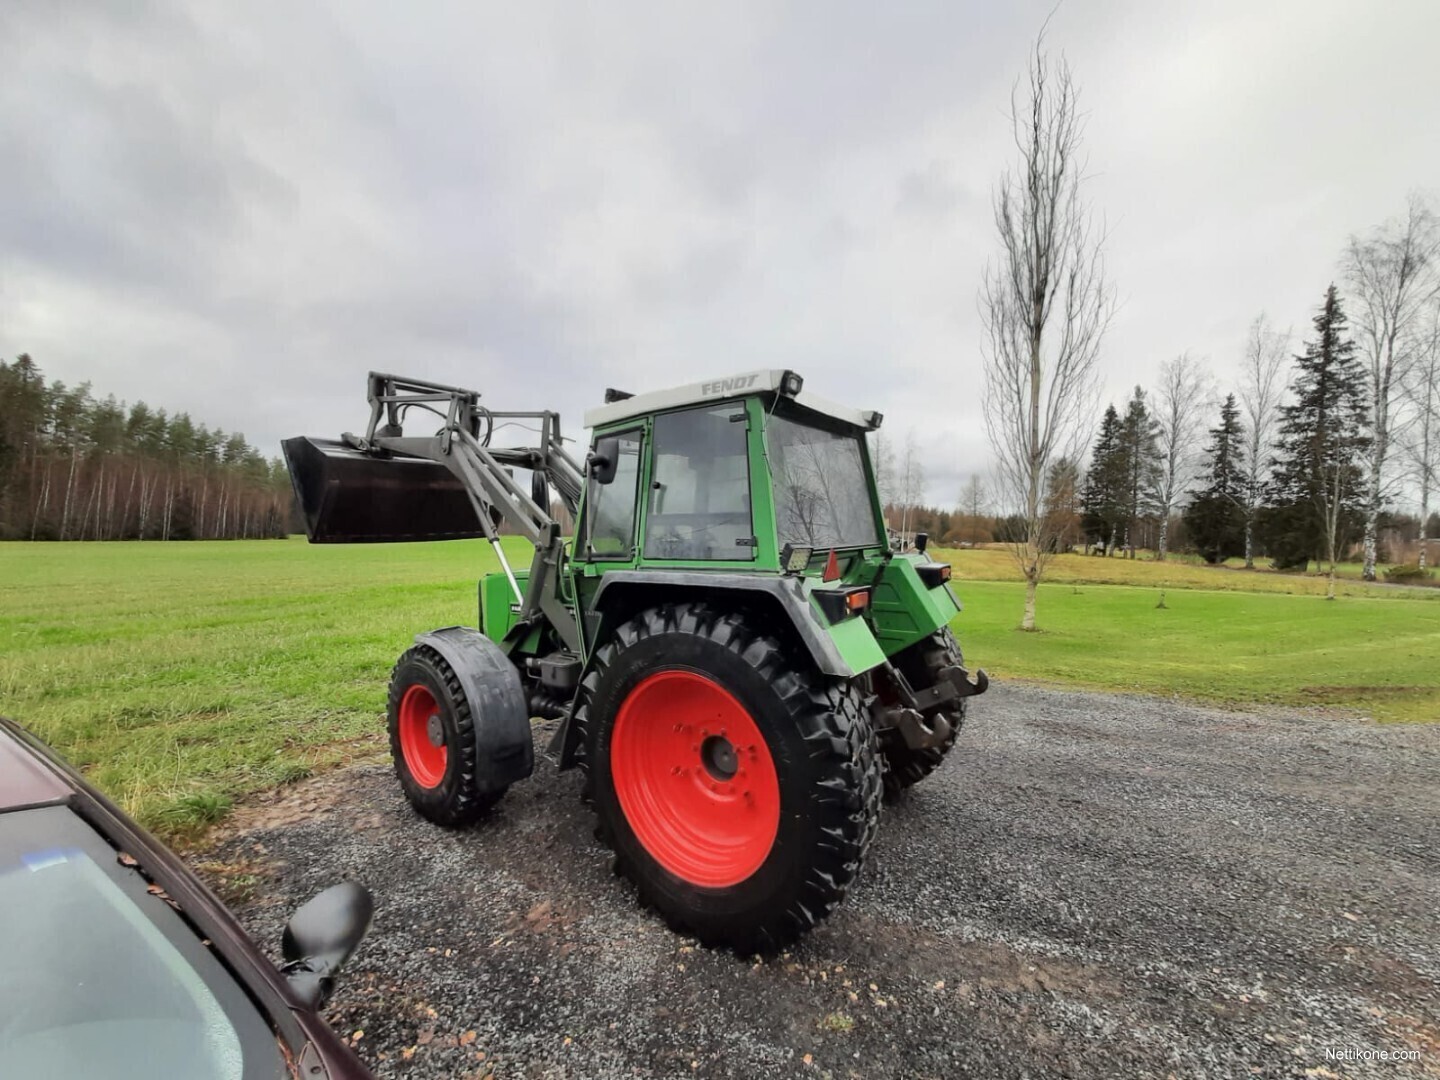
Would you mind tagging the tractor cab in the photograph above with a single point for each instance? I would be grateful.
(726, 474)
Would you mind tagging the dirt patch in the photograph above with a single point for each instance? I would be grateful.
(288, 805)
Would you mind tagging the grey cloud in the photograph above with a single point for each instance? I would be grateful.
(237, 211)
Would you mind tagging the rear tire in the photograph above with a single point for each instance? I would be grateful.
(920, 664)
(747, 844)
(428, 703)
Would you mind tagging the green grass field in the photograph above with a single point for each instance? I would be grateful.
(180, 676)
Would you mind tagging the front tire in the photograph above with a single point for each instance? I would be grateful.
(432, 740)
(738, 789)
(921, 664)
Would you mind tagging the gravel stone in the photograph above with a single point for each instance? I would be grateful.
(1091, 885)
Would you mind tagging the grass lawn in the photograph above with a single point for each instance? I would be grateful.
(182, 675)
(996, 564)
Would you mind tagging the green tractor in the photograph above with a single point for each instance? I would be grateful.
(737, 660)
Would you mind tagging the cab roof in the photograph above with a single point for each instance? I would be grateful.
(746, 384)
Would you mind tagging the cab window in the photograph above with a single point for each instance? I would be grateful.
(700, 498)
(609, 524)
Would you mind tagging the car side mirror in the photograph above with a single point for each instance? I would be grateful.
(322, 934)
(604, 459)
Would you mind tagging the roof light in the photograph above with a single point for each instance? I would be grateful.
(791, 384)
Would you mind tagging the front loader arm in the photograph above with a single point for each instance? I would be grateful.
(378, 487)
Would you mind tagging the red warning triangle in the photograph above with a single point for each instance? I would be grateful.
(832, 567)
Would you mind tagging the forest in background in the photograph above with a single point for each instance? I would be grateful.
(77, 467)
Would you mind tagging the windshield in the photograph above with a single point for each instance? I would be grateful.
(822, 492)
(101, 977)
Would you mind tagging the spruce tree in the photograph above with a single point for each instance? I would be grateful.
(1215, 520)
(1140, 466)
(1100, 500)
(1316, 494)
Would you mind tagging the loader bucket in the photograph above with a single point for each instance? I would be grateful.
(351, 497)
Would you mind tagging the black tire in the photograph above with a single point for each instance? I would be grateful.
(454, 800)
(821, 744)
(920, 663)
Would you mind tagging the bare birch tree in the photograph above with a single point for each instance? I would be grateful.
(1262, 390)
(1045, 305)
(1393, 276)
(912, 481)
(1181, 402)
(1423, 392)
(882, 460)
(974, 499)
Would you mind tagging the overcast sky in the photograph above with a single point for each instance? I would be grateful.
(238, 209)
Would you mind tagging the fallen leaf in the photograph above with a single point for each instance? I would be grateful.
(467, 1038)
(126, 860)
(808, 1060)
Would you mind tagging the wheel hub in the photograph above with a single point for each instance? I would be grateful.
(695, 779)
(717, 754)
(422, 736)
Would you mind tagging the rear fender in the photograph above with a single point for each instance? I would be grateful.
(843, 650)
(505, 749)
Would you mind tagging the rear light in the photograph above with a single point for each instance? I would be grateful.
(832, 568)
(933, 574)
(838, 604)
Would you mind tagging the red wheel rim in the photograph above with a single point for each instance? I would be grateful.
(424, 756)
(695, 779)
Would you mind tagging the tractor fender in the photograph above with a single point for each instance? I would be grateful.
(786, 595)
(505, 749)
(623, 593)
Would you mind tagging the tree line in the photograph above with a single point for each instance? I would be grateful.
(76, 467)
(1299, 469)
(1296, 468)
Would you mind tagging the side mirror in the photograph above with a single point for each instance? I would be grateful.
(321, 936)
(604, 459)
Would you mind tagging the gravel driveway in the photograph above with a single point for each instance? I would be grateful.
(1093, 885)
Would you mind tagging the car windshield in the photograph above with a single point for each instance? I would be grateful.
(101, 977)
(822, 492)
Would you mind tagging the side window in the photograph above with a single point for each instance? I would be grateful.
(610, 508)
(700, 497)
